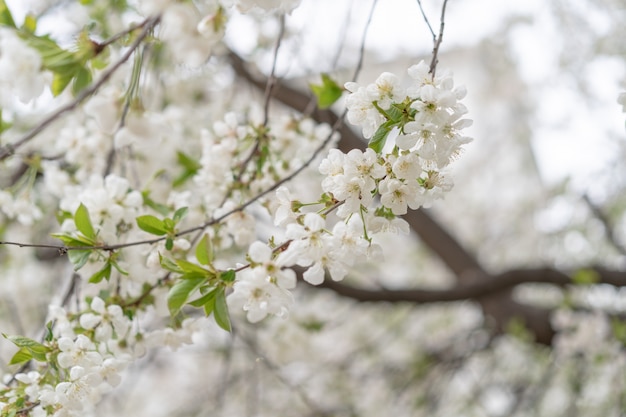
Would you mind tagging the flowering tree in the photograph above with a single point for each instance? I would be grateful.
(160, 190)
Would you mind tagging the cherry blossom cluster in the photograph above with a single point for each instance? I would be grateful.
(86, 353)
(367, 188)
(426, 119)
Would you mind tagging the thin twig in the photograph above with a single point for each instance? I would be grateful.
(427, 21)
(359, 64)
(342, 37)
(123, 33)
(434, 61)
(271, 81)
(608, 228)
(10, 148)
(269, 87)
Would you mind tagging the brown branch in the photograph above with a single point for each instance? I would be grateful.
(493, 293)
(477, 290)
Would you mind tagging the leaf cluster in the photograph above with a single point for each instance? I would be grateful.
(162, 227)
(67, 65)
(397, 115)
(211, 284)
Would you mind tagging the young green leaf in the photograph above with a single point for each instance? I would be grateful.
(73, 241)
(169, 243)
(82, 79)
(190, 267)
(327, 93)
(220, 312)
(21, 356)
(118, 267)
(104, 273)
(151, 224)
(209, 306)
(60, 80)
(206, 298)
(204, 251)
(190, 168)
(180, 292)
(83, 222)
(170, 265)
(228, 276)
(179, 214)
(6, 19)
(158, 207)
(395, 113)
(30, 23)
(34, 348)
(377, 142)
(78, 258)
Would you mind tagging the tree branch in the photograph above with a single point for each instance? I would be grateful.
(477, 290)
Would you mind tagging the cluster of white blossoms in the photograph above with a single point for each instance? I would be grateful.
(367, 188)
(426, 119)
(89, 350)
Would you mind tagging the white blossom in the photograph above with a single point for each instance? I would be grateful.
(20, 69)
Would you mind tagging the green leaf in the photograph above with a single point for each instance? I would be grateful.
(377, 142)
(151, 224)
(190, 267)
(194, 275)
(60, 81)
(180, 292)
(162, 209)
(209, 306)
(83, 222)
(204, 251)
(78, 258)
(327, 93)
(104, 273)
(179, 214)
(190, 168)
(395, 113)
(118, 267)
(203, 300)
(49, 333)
(30, 23)
(6, 19)
(169, 224)
(220, 312)
(66, 65)
(169, 265)
(586, 277)
(228, 276)
(73, 241)
(169, 243)
(34, 348)
(21, 356)
(82, 79)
